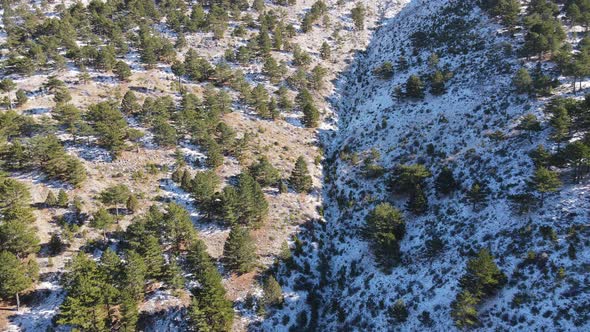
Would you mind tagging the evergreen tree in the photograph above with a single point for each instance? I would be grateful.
(273, 293)
(445, 182)
(300, 178)
(129, 311)
(153, 256)
(135, 271)
(51, 200)
(102, 220)
(84, 307)
(15, 277)
(173, 275)
(385, 228)
(264, 172)
(132, 204)
(311, 116)
(358, 16)
(239, 250)
(122, 70)
(418, 202)
(545, 181)
(482, 276)
(414, 87)
(325, 51)
(477, 194)
(406, 178)
(62, 199)
(115, 195)
(437, 84)
(522, 81)
(529, 123)
(129, 104)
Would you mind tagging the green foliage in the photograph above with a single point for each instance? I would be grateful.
(102, 220)
(445, 182)
(115, 196)
(481, 280)
(545, 181)
(406, 178)
(358, 16)
(264, 172)
(15, 276)
(385, 228)
(51, 200)
(245, 203)
(110, 126)
(239, 250)
(522, 81)
(300, 179)
(477, 194)
(414, 87)
(273, 293)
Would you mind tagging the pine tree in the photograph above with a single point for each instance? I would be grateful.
(418, 202)
(115, 196)
(522, 81)
(62, 199)
(15, 277)
(325, 51)
(414, 87)
(84, 307)
(406, 178)
(129, 311)
(437, 83)
(545, 181)
(153, 256)
(529, 123)
(173, 275)
(358, 16)
(464, 310)
(300, 178)
(273, 293)
(122, 70)
(385, 228)
(132, 204)
(51, 200)
(102, 220)
(311, 116)
(482, 277)
(264, 172)
(445, 182)
(129, 104)
(477, 194)
(239, 250)
(135, 271)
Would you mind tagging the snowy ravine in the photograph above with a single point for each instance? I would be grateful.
(336, 284)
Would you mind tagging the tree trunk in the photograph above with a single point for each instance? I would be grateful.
(17, 302)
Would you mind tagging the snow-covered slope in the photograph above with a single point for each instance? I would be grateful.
(472, 130)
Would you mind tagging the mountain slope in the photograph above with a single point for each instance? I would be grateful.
(471, 129)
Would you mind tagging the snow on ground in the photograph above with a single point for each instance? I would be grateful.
(458, 124)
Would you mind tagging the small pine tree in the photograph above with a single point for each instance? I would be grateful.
(415, 87)
(102, 220)
(273, 293)
(62, 199)
(385, 228)
(445, 182)
(545, 181)
(477, 195)
(522, 81)
(239, 250)
(418, 202)
(132, 204)
(51, 200)
(300, 178)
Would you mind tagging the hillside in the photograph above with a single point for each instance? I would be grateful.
(473, 129)
(294, 165)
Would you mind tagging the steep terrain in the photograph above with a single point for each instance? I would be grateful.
(473, 130)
